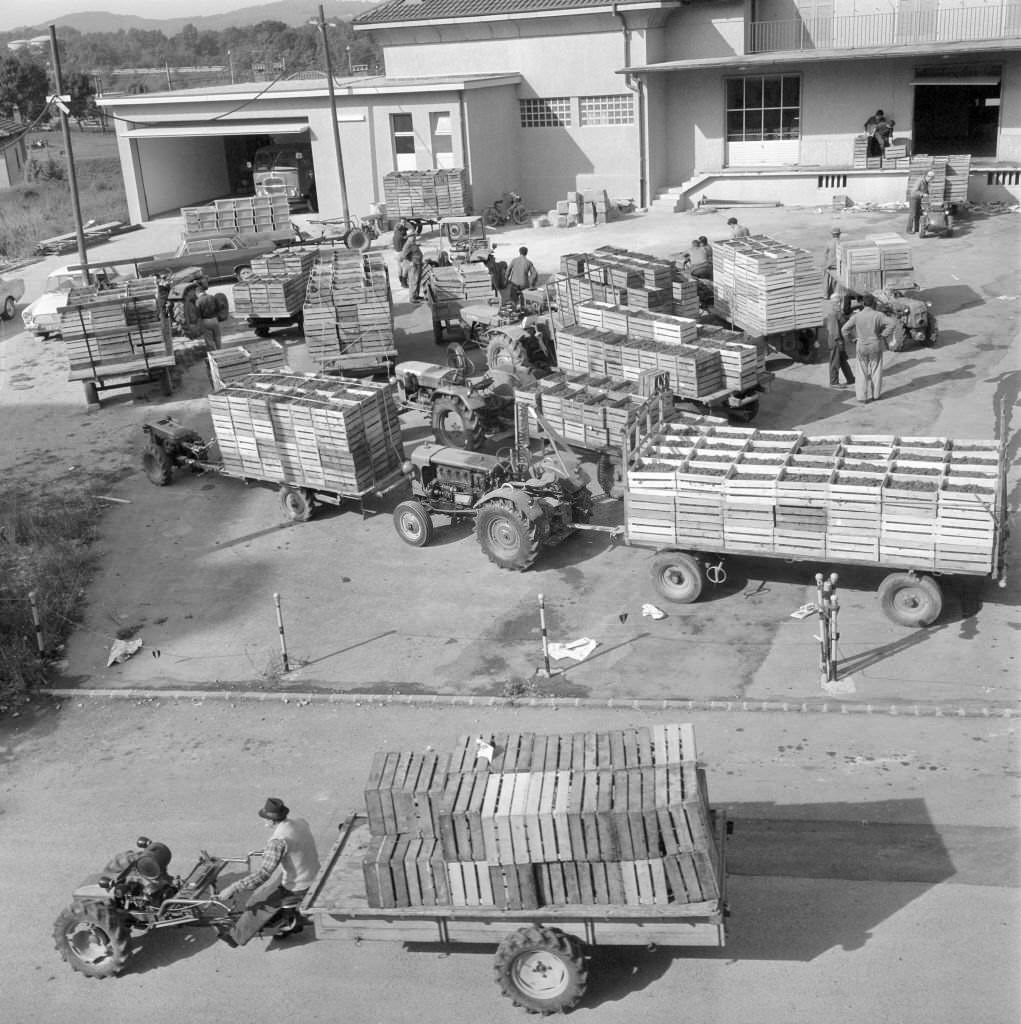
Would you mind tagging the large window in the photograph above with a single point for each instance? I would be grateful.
(763, 108)
(442, 136)
(600, 110)
(548, 113)
(402, 130)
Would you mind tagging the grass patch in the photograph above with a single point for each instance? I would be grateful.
(46, 546)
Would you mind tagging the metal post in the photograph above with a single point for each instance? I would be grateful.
(834, 634)
(38, 626)
(230, 66)
(280, 629)
(344, 212)
(72, 176)
(545, 640)
(824, 643)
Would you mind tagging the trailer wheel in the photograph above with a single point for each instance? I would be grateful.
(910, 599)
(261, 331)
(745, 413)
(413, 523)
(222, 307)
(296, 503)
(677, 576)
(541, 970)
(508, 539)
(610, 475)
(454, 424)
(244, 273)
(158, 465)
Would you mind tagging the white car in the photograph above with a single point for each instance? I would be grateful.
(42, 316)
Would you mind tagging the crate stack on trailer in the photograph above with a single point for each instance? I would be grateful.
(308, 431)
(232, 362)
(619, 818)
(427, 195)
(241, 215)
(914, 502)
(348, 312)
(874, 263)
(276, 290)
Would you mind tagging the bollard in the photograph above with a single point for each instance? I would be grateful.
(38, 625)
(834, 610)
(824, 641)
(280, 629)
(542, 630)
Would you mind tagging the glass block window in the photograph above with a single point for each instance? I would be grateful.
(763, 108)
(546, 113)
(597, 110)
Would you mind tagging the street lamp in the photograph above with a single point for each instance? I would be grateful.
(321, 23)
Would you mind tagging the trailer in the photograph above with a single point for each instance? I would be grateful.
(543, 847)
(697, 491)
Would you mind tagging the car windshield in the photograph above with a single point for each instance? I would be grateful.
(62, 282)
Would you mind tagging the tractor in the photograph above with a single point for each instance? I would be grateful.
(914, 316)
(520, 501)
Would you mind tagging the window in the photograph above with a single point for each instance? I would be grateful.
(442, 136)
(402, 129)
(597, 110)
(550, 113)
(763, 108)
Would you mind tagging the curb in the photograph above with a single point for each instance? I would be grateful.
(915, 710)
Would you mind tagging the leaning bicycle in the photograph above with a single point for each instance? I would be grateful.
(509, 209)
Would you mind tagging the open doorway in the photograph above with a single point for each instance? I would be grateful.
(956, 114)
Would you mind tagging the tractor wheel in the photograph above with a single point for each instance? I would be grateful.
(454, 424)
(260, 331)
(910, 599)
(519, 214)
(745, 413)
(244, 273)
(508, 355)
(508, 539)
(91, 940)
(296, 503)
(357, 239)
(222, 307)
(677, 576)
(541, 970)
(413, 523)
(158, 465)
(490, 217)
(610, 475)
(9, 307)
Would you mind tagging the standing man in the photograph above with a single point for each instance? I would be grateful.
(737, 230)
(918, 195)
(838, 347)
(290, 848)
(871, 331)
(209, 320)
(521, 274)
(411, 263)
(829, 260)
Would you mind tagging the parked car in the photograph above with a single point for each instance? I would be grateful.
(42, 316)
(11, 290)
(220, 256)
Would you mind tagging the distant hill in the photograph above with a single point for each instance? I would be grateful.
(290, 12)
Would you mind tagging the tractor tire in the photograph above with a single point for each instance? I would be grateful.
(677, 577)
(9, 307)
(508, 355)
(296, 503)
(507, 538)
(610, 475)
(158, 465)
(222, 307)
(910, 600)
(454, 424)
(519, 214)
(243, 273)
(260, 331)
(357, 239)
(490, 217)
(413, 523)
(541, 970)
(91, 940)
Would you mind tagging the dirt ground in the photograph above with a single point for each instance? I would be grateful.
(193, 568)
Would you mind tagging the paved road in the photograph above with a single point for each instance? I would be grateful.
(875, 866)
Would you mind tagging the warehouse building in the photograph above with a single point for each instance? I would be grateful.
(667, 102)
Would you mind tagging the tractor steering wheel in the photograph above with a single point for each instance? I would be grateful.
(459, 360)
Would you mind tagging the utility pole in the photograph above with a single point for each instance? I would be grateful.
(344, 212)
(72, 176)
(230, 65)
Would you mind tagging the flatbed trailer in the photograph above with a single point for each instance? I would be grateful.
(540, 956)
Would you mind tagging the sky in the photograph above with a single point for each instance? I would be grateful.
(14, 13)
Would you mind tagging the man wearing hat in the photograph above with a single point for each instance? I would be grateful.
(829, 260)
(918, 194)
(290, 848)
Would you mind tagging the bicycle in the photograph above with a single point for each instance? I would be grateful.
(505, 210)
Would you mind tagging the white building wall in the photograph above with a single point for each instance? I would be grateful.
(698, 32)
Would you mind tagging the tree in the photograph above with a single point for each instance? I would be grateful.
(24, 86)
(81, 89)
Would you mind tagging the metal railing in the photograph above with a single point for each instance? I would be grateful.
(858, 31)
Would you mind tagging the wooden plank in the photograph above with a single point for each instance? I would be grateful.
(409, 869)
(519, 837)
(373, 800)
(386, 792)
(469, 874)
(629, 880)
(572, 888)
(533, 835)
(560, 816)
(618, 758)
(370, 870)
(615, 883)
(387, 891)
(692, 888)
(455, 881)
(630, 759)
(608, 846)
(425, 874)
(478, 796)
(397, 870)
(650, 818)
(547, 826)
(643, 874)
(441, 882)
(660, 889)
(498, 886)
(589, 816)
(645, 746)
(575, 822)
(601, 891)
(621, 809)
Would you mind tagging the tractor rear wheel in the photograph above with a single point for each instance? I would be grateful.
(158, 465)
(454, 424)
(91, 940)
(677, 576)
(541, 970)
(413, 523)
(507, 537)
(509, 355)
(296, 503)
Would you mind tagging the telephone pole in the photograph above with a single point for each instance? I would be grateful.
(344, 212)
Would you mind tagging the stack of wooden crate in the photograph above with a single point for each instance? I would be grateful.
(611, 819)
(428, 194)
(950, 181)
(244, 214)
(877, 261)
(115, 331)
(308, 430)
(236, 361)
(920, 502)
(765, 286)
(348, 315)
(859, 152)
(476, 281)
